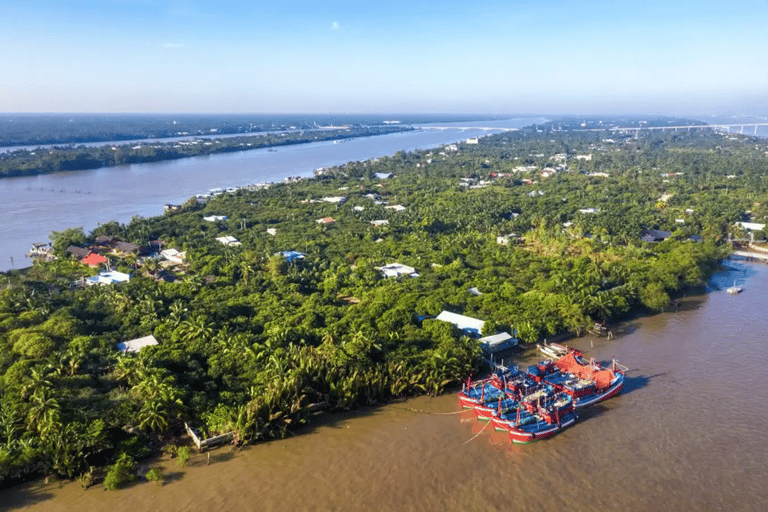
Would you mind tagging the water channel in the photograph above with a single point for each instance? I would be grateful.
(687, 433)
(32, 207)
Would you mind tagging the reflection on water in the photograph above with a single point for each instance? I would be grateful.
(687, 433)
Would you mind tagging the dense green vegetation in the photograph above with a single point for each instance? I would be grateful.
(26, 162)
(252, 344)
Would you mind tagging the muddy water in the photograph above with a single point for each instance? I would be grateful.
(687, 433)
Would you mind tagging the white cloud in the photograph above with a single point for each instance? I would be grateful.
(335, 25)
(173, 45)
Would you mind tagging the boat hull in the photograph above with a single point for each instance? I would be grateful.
(522, 436)
(612, 391)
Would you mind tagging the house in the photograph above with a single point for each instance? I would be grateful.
(589, 210)
(291, 256)
(383, 175)
(397, 270)
(655, 235)
(214, 218)
(40, 249)
(358, 208)
(137, 344)
(78, 252)
(174, 256)
(228, 240)
(105, 240)
(472, 140)
(338, 200)
(325, 220)
(468, 325)
(498, 342)
(94, 260)
(396, 207)
(751, 226)
(271, 231)
(171, 207)
(383, 222)
(126, 248)
(109, 278)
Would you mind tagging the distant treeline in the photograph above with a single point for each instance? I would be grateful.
(32, 129)
(71, 158)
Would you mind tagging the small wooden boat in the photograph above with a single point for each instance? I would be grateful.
(734, 290)
(556, 351)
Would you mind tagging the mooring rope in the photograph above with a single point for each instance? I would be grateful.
(475, 436)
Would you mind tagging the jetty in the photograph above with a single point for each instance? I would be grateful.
(752, 255)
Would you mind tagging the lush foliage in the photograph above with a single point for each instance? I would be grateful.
(254, 345)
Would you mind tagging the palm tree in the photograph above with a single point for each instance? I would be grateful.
(152, 417)
(43, 414)
(195, 328)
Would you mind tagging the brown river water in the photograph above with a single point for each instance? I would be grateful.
(687, 433)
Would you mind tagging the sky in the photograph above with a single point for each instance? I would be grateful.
(675, 57)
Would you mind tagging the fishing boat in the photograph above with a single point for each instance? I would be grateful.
(734, 290)
(544, 423)
(586, 383)
(483, 391)
(528, 408)
(503, 379)
(484, 412)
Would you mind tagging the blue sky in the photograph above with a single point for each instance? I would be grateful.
(513, 56)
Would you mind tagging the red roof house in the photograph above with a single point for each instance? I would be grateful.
(94, 260)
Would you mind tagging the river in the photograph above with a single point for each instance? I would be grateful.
(686, 433)
(32, 207)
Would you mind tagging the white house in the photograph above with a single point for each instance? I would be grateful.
(214, 218)
(109, 278)
(396, 207)
(137, 344)
(335, 199)
(498, 342)
(589, 210)
(397, 270)
(751, 226)
(228, 240)
(471, 326)
(383, 222)
(174, 256)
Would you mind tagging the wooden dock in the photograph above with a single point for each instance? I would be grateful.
(752, 255)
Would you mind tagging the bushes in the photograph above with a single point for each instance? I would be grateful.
(120, 473)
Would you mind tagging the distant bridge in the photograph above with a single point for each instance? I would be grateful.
(688, 127)
(483, 128)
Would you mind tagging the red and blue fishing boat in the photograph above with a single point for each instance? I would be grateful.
(544, 422)
(481, 392)
(484, 412)
(587, 383)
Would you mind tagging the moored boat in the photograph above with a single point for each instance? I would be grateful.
(587, 383)
(484, 412)
(542, 424)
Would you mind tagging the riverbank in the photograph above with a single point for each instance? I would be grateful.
(82, 158)
(390, 458)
